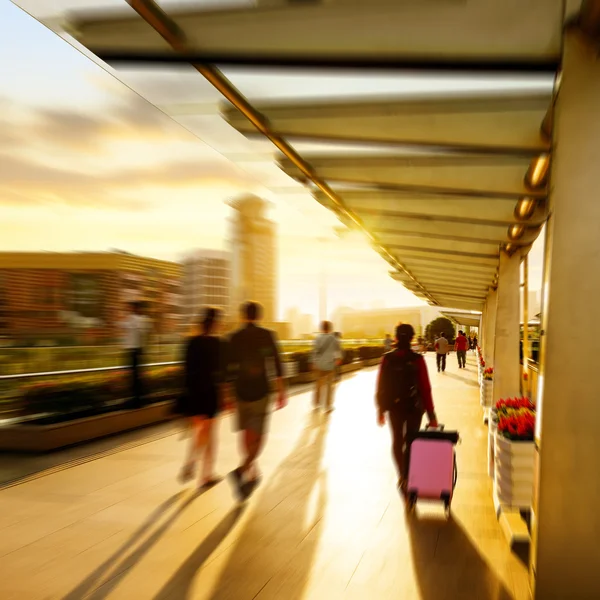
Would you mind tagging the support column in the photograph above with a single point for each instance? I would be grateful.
(490, 328)
(566, 511)
(525, 371)
(507, 373)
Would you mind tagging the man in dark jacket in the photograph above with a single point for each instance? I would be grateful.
(251, 350)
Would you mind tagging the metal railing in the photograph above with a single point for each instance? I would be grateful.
(17, 361)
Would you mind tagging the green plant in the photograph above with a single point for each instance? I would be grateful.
(439, 326)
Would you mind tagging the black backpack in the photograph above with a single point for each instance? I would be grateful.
(402, 382)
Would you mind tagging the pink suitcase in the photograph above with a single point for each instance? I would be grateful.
(432, 467)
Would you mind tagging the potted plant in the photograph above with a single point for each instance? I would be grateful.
(481, 368)
(514, 451)
(487, 387)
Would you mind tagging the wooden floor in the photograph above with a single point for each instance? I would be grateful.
(326, 522)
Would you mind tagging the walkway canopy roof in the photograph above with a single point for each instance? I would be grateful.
(426, 125)
(466, 319)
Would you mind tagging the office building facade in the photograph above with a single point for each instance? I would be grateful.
(81, 297)
(206, 282)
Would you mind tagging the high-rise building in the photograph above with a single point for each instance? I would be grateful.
(206, 282)
(253, 256)
(82, 297)
(301, 324)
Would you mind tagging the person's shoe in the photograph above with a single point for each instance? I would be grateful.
(247, 488)
(186, 474)
(238, 483)
(210, 482)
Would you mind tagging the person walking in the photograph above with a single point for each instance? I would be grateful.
(461, 345)
(388, 343)
(326, 356)
(441, 350)
(338, 366)
(136, 329)
(202, 398)
(474, 343)
(250, 351)
(403, 396)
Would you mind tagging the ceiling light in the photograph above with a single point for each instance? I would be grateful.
(536, 175)
(525, 208)
(516, 231)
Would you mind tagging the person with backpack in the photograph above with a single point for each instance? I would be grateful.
(403, 396)
(327, 355)
(251, 350)
(461, 345)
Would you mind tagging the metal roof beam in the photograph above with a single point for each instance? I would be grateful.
(484, 35)
(499, 176)
(499, 124)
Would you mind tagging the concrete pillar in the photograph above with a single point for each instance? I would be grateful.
(566, 524)
(507, 371)
(490, 328)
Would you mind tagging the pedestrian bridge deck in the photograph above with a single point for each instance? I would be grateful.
(325, 523)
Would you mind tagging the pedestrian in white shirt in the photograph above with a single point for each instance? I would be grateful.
(327, 354)
(135, 334)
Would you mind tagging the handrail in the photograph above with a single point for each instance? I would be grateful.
(81, 371)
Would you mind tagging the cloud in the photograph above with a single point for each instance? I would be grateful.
(131, 118)
(26, 181)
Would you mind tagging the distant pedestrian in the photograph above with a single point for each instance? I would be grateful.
(404, 395)
(251, 350)
(136, 329)
(474, 343)
(461, 345)
(388, 343)
(202, 398)
(441, 349)
(338, 367)
(326, 356)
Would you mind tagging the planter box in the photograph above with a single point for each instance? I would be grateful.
(491, 446)
(290, 369)
(514, 472)
(43, 438)
(486, 395)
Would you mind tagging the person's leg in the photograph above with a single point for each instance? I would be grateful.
(133, 361)
(318, 386)
(444, 356)
(189, 464)
(329, 376)
(464, 359)
(253, 442)
(137, 378)
(397, 426)
(209, 441)
(438, 360)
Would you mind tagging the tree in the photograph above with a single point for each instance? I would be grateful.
(438, 326)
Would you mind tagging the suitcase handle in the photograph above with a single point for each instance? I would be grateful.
(440, 427)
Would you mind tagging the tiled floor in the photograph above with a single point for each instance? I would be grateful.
(326, 522)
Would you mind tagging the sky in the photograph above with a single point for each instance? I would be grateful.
(88, 164)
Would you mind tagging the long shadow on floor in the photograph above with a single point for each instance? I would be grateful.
(274, 552)
(119, 565)
(465, 380)
(94, 578)
(180, 583)
(448, 565)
